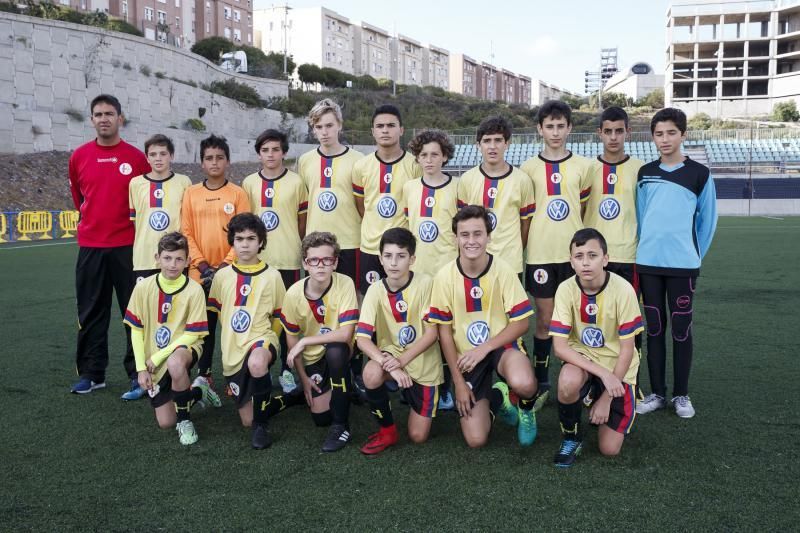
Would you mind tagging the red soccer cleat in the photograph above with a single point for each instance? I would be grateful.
(381, 440)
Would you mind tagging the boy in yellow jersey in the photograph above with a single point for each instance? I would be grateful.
(482, 311)
(378, 181)
(503, 190)
(327, 173)
(561, 185)
(247, 295)
(320, 313)
(595, 319)
(280, 198)
(207, 209)
(167, 318)
(407, 351)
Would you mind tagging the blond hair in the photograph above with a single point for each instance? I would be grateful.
(326, 105)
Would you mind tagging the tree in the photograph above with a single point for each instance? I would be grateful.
(333, 78)
(654, 99)
(213, 47)
(276, 59)
(309, 74)
(700, 121)
(785, 112)
(575, 102)
(615, 99)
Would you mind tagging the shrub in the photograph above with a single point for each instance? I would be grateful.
(237, 91)
(785, 112)
(194, 124)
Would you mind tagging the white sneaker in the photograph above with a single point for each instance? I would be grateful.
(683, 406)
(186, 432)
(287, 382)
(651, 402)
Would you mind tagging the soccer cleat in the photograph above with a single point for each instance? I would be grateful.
(210, 396)
(651, 402)
(506, 411)
(338, 436)
(86, 385)
(261, 438)
(135, 393)
(542, 395)
(683, 406)
(569, 451)
(186, 432)
(526, 430)
(381, 440)
(287, 382)
(446, 402)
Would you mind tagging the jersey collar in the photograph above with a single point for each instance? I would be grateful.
(543, 158)
(184, 283)
(346, 149)
(624, 160)
(485, 270)
(401, 289)
(321, 296)
(263, 177)
(390, 162)
(487, 176)
(250, 270)
(148, 178)
(205, 184)
(602, 288)
(437, 187)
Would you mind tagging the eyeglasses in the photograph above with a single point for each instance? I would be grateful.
(315, 261)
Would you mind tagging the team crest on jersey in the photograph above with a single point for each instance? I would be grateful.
(476, 292)
(430, 201)
(240, 321)
(492, 192)
(158, 194)
(609, 209)
(328, 172)
(401, 306)
(556, 177)
(327, 201)
(478, 333)
(316, 378)
(493, 219)
(269, 193)
(245, 289)
(166, 307)
(154, 391)
(372, 277)
(125, 169)
(428, 231)
(612, 178)
(159, 220)
(593, 338)
(387, 207)
(558, 209)
(163, 336)
(234, 388)
(406, 335)
(321, 310)
(323, 330)
(270, 220)
(228, 208)
(540, 276)
(591, 309)
(387, 178)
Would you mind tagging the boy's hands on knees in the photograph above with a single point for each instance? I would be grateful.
(296, 350)
(469, 360)
(401, 377)
(390, 363)
(308, 387)
(464, 399)
(613, 384)
(145, 380)
(600, 410)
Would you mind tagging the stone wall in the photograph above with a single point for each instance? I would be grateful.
(51, 70)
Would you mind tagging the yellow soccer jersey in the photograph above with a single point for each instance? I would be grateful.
(430, 211)
(611, 208)
(397, 318)
(278, 202)
(559, 188)
(246, 298)
(165, 317)
(381, 185)
(336, 308)
(332, 207)
(478, 308)
(595, 324)
(509, 199)
(155, 209)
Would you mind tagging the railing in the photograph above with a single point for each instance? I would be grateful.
(37, 225)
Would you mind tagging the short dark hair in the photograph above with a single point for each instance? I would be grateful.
(247, 222)
(432, 136)
(582, 236)
(400, 237)
(613, 114)
(172, 242)
(272, 135)
(387, 109)
(215, 141)
(493, 125)
(159, 140)
(677, 116)
(554, 109)
(320, 238)
(473, 211)
(106, 99)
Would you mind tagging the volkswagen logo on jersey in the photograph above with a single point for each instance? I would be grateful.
(609, 209)
(327, 201)
(323, 330)
(163, 336)
(270, 220)
(240, 321)
(593, 338)
(428, 231)
(558, 209)
(478, 333)
(406, 335)
(159, 220)
(387, 207)
(493, 218)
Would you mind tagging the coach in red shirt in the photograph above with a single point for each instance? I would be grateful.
(99, 174)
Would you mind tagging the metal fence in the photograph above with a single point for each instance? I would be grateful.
(37, 225)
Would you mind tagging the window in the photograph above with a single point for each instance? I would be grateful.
(148, 13)
(177, 23)
(177, 3)
(237, 34)
(125, 8)
(162, 1)
(227, 12)
(208, 27)
(237, 15)
(227, 32)
(249, 38)
(162, 17)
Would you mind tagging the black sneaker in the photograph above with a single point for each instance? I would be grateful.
(338, 436)
(261, 438)
(568, 453)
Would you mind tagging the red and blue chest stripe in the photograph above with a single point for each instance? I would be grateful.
(385, 188)
(317, 310)
(553, 189)
(608, 187)
(325, 172)
(156, 194)
(164, 302)
(267, 199)
(493, 185)
(589, 302)
(426, 210)
(473, 304)
(396, 303)
(242, 293)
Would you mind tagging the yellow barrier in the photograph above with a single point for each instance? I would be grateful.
(34, 222)
(68, 222)
(3, 226)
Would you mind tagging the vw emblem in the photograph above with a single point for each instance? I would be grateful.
(327, 201)
(240, 321)
(428, 231)
(387, 207)
(593, 338)
(323, 330)
(609, 209)
(270, 220)
(163, 336)
(406, 336)
(159, 220)
(493, 218)
(558, 209)
(478, 333)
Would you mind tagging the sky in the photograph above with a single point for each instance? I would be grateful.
(555, 41)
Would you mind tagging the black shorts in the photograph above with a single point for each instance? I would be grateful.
(370, 272)
(543, 280)
(289, 277)
(622, 413)
(240, 384)
(480, 379)
(162, 392)
(139, 275)
(318, 373)
(349, 261)
(423, 399)
(627, 271)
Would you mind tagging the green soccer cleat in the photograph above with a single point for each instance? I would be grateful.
(186, 432)
(210, 397)
(526, 430)
(507, 411)
(541, 396)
